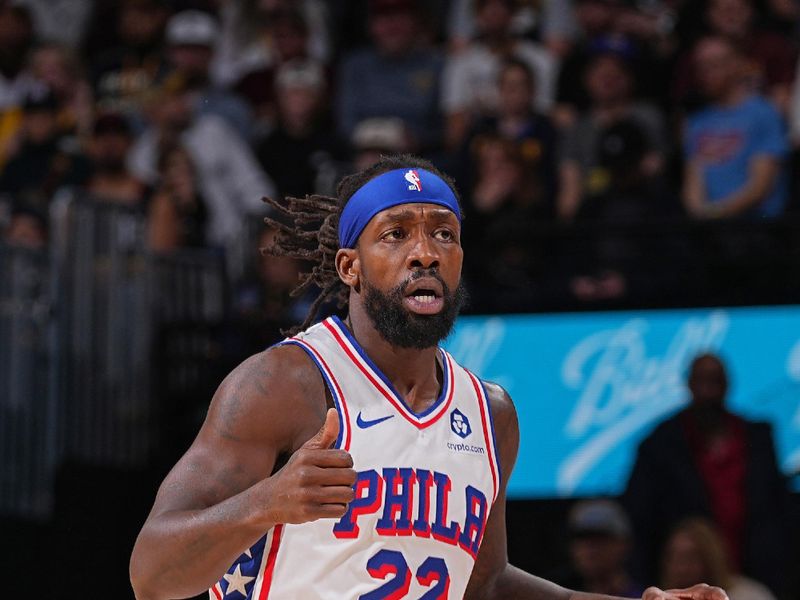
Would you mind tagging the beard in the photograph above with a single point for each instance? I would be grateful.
(405, 329)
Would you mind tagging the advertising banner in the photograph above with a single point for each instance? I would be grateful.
(589, 386)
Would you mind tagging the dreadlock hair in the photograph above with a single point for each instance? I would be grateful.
(308, 230)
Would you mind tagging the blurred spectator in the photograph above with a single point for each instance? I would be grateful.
(736, 148)
(177, 211)
(108, 149)
(599, 542)
(230, 178)
(694, 553)
(396, 76)
(461, 26)
(122, 74)
(501, 210)
(609, 82)
(45, 160)
(470, 84)
(376, 136)
(595, 21)
(566, 25)
(258, 35)
(27, 228)
(517, 121)
(624, 192)
(652, 24)
(558, 26)
(60, 21)
(600, 30)
(304, 138)
(286, 33)
(503, 183)
(59, 68)
(16, 82)
(16, 40)
(783, 16)
(768, 58)
(707, 461)
(190, 38)
(624, 188)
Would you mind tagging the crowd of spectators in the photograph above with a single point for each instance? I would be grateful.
(549, 113)
(562, 112)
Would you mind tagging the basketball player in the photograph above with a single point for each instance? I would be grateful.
(356, 459)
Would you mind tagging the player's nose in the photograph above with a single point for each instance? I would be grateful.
(423, 253)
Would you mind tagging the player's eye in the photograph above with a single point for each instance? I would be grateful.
(393, 234)
(445, 235)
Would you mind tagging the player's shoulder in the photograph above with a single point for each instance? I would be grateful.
(275, 391)
(500, 403)
(280, 367)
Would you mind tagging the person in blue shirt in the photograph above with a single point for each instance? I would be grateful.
(735, 147)
(398, 75)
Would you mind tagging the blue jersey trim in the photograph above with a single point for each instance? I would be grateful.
(328, 382)
(445, 370)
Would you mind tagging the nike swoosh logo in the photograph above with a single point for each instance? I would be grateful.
(364, 424)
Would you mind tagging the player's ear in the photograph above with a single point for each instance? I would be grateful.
(349, 267)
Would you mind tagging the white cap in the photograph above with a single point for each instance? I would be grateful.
(192, 28)
(381, 133)
(300, 73)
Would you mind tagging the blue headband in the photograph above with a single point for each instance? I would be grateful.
(401, 186)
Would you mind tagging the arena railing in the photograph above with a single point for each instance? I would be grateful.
(113, 298)
(81, 327)
(28, 418)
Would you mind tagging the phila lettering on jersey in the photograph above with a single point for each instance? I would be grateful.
(426, 484)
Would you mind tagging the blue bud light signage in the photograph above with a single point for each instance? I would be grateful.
(588, 387)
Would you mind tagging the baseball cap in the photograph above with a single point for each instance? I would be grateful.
(300, 73)
(387, 134)
(192, 28)
(599, 517)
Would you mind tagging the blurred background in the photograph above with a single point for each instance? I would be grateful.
(630, 178)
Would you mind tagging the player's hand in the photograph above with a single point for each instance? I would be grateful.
(700, 591)
(316, 482)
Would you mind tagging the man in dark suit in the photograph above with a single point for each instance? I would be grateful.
(708, 461)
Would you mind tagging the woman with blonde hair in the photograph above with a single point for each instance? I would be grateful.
(694, 553)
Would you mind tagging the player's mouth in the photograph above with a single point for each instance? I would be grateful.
(424, 296)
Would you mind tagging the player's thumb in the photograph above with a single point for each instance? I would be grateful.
(328, 433)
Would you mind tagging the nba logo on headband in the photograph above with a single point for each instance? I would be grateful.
(414, 182)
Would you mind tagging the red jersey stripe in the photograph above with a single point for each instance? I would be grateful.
(269, 568)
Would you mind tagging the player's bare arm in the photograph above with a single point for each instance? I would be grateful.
(493, 576)
(230, 486)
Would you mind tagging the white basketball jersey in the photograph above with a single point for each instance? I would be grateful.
(426, 483)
